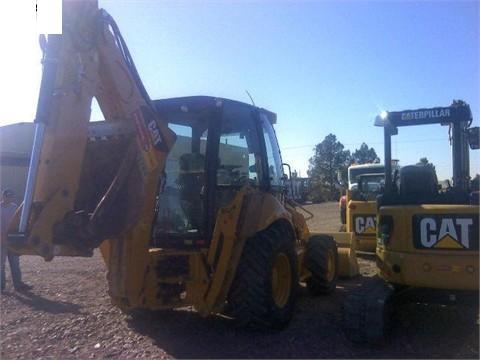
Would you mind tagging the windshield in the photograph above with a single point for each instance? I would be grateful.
(371, 183)
(355, 172)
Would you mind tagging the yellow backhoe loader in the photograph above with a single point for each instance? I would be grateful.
(184, 196)
(427, 239)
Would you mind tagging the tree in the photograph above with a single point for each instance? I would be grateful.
(424, 162)
(364, 155)
(329, 159)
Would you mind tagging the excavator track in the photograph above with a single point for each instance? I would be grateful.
(367, 312)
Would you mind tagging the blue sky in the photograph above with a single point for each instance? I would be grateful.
(323, 67)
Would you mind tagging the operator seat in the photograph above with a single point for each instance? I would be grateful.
(191, 181)
(418, 184)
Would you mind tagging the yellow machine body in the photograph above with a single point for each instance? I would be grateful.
(358, 207)
(433, 246)
(206, 274)
(361, 222)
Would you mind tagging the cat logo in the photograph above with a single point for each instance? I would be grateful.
(365, 224)
(446, 232)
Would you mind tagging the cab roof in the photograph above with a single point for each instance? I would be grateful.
(197, 105)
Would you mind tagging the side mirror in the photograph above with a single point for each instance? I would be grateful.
(288, 175)
(288, 185)
(474, 137)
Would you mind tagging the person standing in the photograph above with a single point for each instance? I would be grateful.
(8, 208)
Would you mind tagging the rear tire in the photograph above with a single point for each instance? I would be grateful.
(321, 259)
(263, 292)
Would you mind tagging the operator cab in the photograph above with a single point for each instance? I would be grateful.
(222, 145)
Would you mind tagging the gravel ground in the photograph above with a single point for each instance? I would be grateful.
(68, 315)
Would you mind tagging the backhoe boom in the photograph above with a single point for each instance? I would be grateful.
(87, 182)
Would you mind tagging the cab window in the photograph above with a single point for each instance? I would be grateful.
(275, 171)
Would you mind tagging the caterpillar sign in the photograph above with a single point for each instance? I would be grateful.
(446, 231)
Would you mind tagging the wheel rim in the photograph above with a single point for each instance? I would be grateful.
(281, 280)
(330, 265)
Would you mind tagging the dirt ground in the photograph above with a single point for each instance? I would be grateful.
(68, 315)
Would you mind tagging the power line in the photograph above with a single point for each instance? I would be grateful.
(374, 143)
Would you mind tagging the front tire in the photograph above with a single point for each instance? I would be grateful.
(263, 292)
(321, 259)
